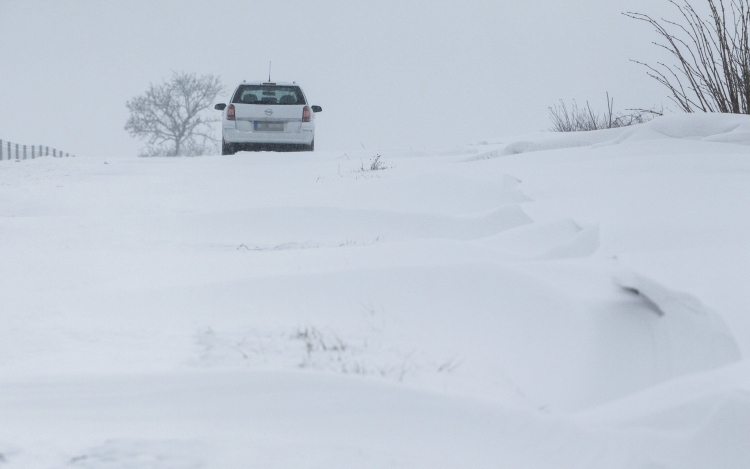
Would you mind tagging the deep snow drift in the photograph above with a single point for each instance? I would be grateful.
(572, 301)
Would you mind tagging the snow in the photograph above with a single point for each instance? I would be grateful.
(580, 305)
(728, 129)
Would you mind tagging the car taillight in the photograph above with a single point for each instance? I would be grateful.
(306, 114)
(230, 112)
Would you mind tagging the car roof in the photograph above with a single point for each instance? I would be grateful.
(277, 83)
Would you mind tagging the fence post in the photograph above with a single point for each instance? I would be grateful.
(22, 151)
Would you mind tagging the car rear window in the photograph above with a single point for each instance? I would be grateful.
(269, 94)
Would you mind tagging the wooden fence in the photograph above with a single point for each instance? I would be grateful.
(18, 152)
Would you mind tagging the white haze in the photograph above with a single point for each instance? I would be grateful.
(389, 74)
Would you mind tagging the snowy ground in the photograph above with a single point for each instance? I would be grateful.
(549, 301)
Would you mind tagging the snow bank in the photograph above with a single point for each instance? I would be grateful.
(561, 140)
(723, 128)
(693, 422)
(551, 240)
(297, 310)
(692, 338)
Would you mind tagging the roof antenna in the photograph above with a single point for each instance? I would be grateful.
(269, 72)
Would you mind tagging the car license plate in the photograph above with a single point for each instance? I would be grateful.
(269, 126)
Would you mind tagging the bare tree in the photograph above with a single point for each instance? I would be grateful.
(170, 116)
(712, 73)
(576, 119)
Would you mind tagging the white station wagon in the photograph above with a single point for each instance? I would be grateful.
(267, 116)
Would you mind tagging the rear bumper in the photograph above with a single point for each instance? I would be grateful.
(234, 136)
(277, 147)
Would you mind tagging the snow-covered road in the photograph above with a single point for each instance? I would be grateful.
(567, 301)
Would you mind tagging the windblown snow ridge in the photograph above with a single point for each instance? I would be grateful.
(725, 128)
(690, 337)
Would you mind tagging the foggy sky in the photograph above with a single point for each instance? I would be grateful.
(389, 74)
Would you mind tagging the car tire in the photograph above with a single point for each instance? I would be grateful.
(227, 148)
